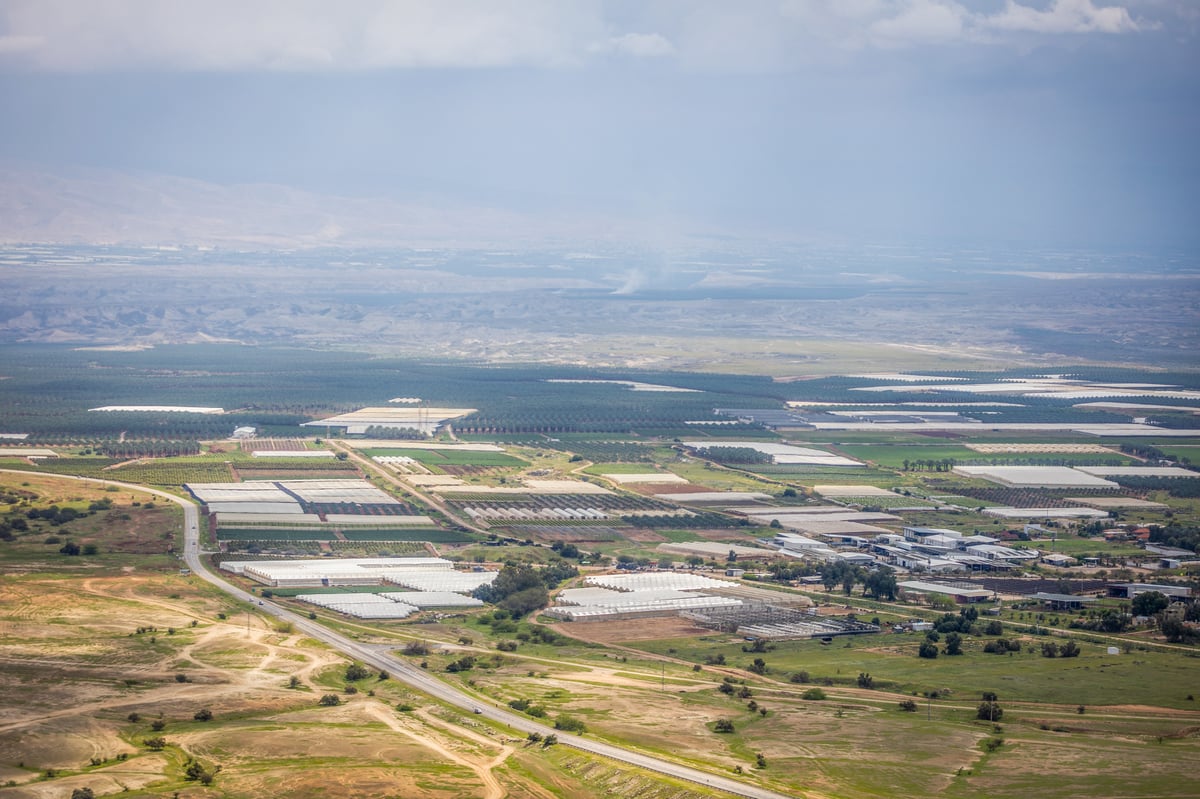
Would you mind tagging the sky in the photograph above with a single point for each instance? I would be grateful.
(1047, 123)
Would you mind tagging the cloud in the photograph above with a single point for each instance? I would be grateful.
(640, 45)
(921, 21)
(218, 35)
(1063, 16)
(360, 35)
(19, 44)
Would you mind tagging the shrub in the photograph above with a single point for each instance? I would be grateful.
(908, 706)
(419, 648)
(989, 711)
(928, 650)
(203, 714)
(357, 671)
(329, 700)
(800, 677)
(570, 724)
(815, 694)
(723, 726)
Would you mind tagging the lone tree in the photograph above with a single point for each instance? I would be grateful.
(329, 700)
(928, 650)
(953, 644)
(723, 725)
(989, 709)
(83, 793)
(203, 714)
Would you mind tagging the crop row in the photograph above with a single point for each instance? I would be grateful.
(564, 532)
(1019, 497)
(359, 508)
(606, 502)
(605, 451)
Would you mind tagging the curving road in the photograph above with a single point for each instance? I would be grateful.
(421, 680)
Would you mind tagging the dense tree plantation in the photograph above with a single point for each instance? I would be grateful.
(49, 388)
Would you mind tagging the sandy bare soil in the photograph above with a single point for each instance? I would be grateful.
(73, 668)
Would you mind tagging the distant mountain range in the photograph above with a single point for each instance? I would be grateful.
(92, 206)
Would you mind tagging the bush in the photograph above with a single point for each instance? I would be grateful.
(989, 711)
(570, 724)
(419, 648)
(928, 650)
(723, 726)
(800, 677)
(357, 671)
(865, 680)
(815, 694)
(329, 700)
(203, 714)
(908, 706)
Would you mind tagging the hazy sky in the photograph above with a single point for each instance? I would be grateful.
(1039, 122)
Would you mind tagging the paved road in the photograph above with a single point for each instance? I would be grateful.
(422, 681)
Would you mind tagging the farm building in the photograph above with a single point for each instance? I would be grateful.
(1046, 513)
(960, 594)
(1130, 590)
(330, 571)
(776, 623)
(1005, 554)
(424, 420)
(628, 596)
(1035, 476)
(715, 549)
(1062, 601)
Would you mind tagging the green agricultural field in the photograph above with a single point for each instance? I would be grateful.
(620, 468)
(273, 534)
(1094, 678)
(433, 535)
(1078, 547)
(1181, 451)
